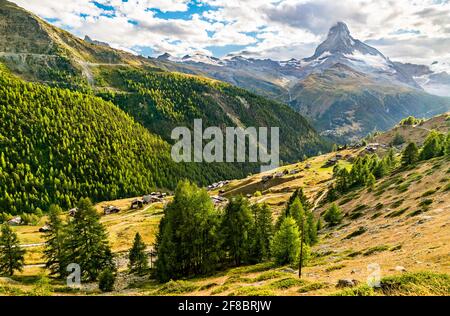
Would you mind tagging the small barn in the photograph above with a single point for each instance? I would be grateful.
(137, 203)
(45, 229)
(110, 209)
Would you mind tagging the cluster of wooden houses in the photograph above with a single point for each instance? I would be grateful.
(334, 160)
(217, 185)
(280, 174)
(153, 197)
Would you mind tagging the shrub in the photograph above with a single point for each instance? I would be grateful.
(361, 230)
(335, 267)
(286, 283)
(177, 287)
(426, 202)
(333, 216)
(253, 291)
(419, 283)
(363, 290)
(106, 281)
(397, 213)
(269, 275)
(312, 287)
(220, 289)
(429, 192)
(375, 249)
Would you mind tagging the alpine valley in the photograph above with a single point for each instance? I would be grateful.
(359, 205)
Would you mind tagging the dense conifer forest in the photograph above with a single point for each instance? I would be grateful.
(58, 145)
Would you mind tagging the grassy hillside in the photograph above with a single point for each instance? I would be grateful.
(401, 225)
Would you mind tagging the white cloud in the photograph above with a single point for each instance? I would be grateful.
(416, 30)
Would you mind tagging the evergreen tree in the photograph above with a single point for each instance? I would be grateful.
(87, 242)
(263, 232)
(381, 168)
(138, 260)
(285, 245)
(294, 208)
(54, 245)
(188, 239)
(433, 146)
(297, 212)
(398, 140)
(391, 161)
(447, 144)
(11, 255)
(410, 154)
(106, 280)
(236, 226)
(311, 229)
(371, 180)
(319, 225)
(333, 215)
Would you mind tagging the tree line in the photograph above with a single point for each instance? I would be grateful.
(82, 240)
(367, 169)
(57, 146)
(195, 238)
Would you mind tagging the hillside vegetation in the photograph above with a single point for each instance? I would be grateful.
(159, 99)
(57, 146)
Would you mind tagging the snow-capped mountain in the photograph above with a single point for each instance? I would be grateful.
(341, 48)
(434, 79)
(347, 88)
(196, 58)
(338, 48)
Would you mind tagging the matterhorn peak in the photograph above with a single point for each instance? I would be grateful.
(339, 27)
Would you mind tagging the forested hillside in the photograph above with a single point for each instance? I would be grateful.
(162, 100)
(57, 146)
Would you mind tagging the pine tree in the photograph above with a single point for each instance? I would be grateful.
(87, 242)
(138, 260)
(106, 280)
(294, 208)
(285, 245)
(391, 161)
(371, 180)
(410, 154)
(381, 168)
(54, 245)
(432, 146)
(236, 226)
(319, 225)
(333, 215)
(447, 144)
(311, 229)
(11, 255)
(263, 232)
(188, 238)
(398, 139)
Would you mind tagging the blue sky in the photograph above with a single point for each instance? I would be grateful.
(414, 31)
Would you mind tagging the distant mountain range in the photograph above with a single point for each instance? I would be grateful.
(347, 88)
